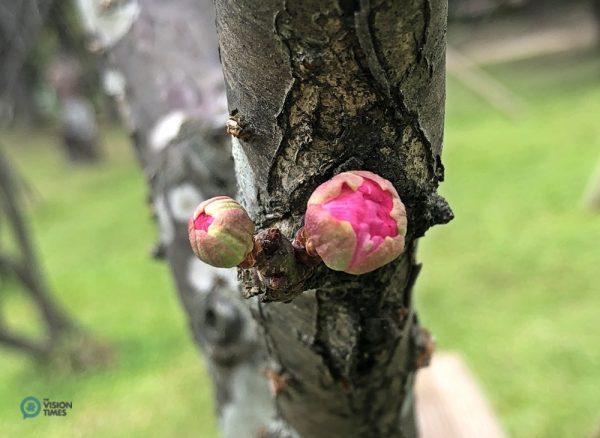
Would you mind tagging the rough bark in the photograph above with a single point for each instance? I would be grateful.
(319, 87)
(163, 69)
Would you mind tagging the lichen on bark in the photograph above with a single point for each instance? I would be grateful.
(171, 91)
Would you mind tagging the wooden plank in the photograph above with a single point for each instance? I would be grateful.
(483, 84)
(591, 197)
(450, 403)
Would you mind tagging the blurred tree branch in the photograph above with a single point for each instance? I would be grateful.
(64, 340)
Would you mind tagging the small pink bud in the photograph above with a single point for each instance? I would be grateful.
(356, 222)
(221, 232)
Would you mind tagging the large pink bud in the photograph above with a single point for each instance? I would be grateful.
(221, 233)
(355, 222)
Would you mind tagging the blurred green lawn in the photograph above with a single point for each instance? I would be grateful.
(512, 283)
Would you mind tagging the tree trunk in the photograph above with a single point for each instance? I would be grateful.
(77, 115)
(163, 69)
(320, 87)
(20, 24)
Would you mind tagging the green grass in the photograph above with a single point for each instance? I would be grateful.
(511, 283)
(93, 230)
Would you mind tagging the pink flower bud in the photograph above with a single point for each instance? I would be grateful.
(221, 233)
(356, 222)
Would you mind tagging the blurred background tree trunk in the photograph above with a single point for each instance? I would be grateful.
(77, 117)
(24, 266)
(41, 44)
(72, 73)
(162, 67)
(20, 25)
(321, 87)
(64, 343)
